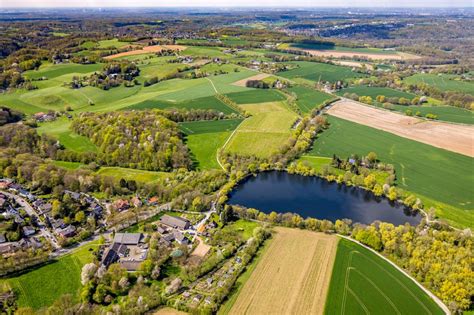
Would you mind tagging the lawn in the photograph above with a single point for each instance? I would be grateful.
(68, 165)
(315, 72)
(362, 282)
(264, 132)
(44, 285)
(434, 173)
(132, 174)
(444, 82)
(307, 98)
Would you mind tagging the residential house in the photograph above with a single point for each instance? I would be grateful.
(180, 238)
(68, 231)
(28, 230)
(136, 202)
(121, 204)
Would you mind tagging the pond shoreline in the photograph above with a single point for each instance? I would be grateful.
(334, 200)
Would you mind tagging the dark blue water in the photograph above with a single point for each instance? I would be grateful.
(317, 198)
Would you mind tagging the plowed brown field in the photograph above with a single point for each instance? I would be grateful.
(259, 76)
(293, 276)
(146, 50)
(371, 56)
(452, 137)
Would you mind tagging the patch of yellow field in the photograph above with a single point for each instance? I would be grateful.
(292, 277)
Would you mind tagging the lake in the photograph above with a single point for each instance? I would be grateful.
(317, 198)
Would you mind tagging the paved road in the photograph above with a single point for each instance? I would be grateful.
(32, 212)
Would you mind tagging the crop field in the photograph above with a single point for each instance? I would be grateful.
(209, 126)
(297, 267)
(362, 283)
(325, 50)
(44, 285)
(444, 113)
(444, 82)
(264, 132)
(205, 138)
(208, 102)
(315, 72)
(146, 50)
(132, 174)
(455, 138)
(373, 91)
(420, 168)
(256, 96)
(307, 98)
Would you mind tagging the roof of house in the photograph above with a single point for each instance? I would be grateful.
(110, 257)
(128, 238)
(175, 222)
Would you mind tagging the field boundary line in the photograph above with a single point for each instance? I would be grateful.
(359, 301)
(225, 144)
(428, 292)
(213, 86)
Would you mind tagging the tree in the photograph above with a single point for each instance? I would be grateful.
(80, 217)
(372, 157)
(370, 181)
(378, 190)
(88, 272)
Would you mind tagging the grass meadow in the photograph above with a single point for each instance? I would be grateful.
(362, 283)
(132, 174)
(307, 98)
(373, 91)
(430, 172)
(321, 46)
(264, 132)
(205, 138)
(315, 72)
(444, 82)
(42, 286)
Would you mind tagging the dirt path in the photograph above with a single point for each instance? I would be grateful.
(243, 82)
(146, 50)
(292, 277)
(451, 137)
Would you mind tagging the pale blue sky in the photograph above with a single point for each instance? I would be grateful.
(233, 3)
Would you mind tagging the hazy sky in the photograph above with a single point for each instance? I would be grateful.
(233, 3)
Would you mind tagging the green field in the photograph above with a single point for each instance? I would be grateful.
(51, 71)
(315, 72)
(362, 283)
(209, 126)
(132, 174)
(256, 96)
(69, 139)
(374, 91)
(44, 285)
(205, 138)
(444, 82)
(307, 98)
(434, 173)
(322, 46)
(112, 43)
(209, 102)
(68, 165)
(264, 132)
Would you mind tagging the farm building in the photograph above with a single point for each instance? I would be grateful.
(127, 249)
(175, 222)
